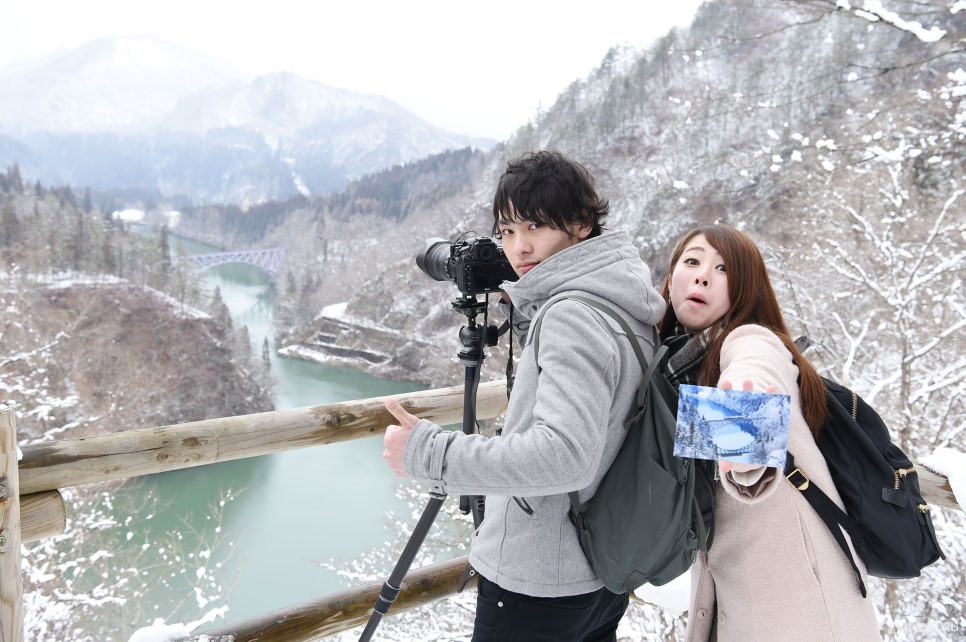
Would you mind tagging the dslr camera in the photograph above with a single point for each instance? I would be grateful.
(476, 265)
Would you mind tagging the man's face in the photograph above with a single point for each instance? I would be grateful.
(699, 286)
(527, 243)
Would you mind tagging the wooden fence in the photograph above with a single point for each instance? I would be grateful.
(32, 507)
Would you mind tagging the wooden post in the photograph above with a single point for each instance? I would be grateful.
(42, 515)
(11, 580)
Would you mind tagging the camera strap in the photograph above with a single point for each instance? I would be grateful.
(509, 361)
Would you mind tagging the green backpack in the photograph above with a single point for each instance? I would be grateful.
(653, 511)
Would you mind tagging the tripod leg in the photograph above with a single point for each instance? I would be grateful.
(390, 590)
(473, 338)
(471, 382)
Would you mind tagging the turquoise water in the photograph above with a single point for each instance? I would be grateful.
(291, 511)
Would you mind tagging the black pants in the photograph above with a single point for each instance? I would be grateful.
(505, 616)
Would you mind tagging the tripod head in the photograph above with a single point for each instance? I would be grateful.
(474, 337)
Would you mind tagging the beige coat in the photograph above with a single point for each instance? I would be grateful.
(774, 568)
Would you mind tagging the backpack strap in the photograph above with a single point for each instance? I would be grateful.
(827, 510)
(647, 368)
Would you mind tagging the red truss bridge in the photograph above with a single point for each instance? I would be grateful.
(268, 260)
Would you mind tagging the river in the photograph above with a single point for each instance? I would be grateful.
(290, 510)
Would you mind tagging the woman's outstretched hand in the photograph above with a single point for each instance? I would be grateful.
(397, 436)
(727, 466)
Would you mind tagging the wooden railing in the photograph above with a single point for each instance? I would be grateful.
(33, 508)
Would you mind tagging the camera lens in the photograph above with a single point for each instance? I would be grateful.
(434, 258)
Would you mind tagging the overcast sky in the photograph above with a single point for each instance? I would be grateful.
(477, 68)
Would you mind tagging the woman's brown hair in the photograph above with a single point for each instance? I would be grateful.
(752, 301)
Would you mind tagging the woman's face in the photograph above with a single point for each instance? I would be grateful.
(699, 285)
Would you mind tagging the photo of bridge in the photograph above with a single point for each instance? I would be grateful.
(732, 425)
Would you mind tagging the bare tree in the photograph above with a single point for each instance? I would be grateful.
(881, 287)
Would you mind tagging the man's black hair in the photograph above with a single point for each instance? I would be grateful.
(548, 188)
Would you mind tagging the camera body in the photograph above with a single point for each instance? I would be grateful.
(476, 265)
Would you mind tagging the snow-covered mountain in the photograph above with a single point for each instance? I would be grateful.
(143, 114)
(109, 85)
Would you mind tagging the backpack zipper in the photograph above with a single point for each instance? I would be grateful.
(901, 473)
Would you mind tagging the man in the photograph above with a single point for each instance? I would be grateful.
(565, 420)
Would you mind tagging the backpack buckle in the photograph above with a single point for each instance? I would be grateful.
(800, 482)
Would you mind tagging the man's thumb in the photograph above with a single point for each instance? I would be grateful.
(405, 419)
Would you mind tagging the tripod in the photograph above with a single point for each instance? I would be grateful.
(474, 338)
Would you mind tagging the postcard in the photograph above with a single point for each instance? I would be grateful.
(732, 425)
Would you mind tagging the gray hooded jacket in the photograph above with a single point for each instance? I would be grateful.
(564, 423)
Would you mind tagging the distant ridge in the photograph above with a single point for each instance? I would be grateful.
(109, 85)
(140, 113)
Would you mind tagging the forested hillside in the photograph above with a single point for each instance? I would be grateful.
(100, 334)
(337, 243)
(103, 315)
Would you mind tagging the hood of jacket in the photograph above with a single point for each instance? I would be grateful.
(607, 266)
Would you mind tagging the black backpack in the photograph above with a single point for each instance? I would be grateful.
(652, 511)
(886, 517)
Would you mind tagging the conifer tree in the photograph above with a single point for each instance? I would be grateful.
(79, 241)
(9, 225)
(13, 176)
(107, 254)
(221, 314)
(69, 197)
(165, 248)
(243, 344)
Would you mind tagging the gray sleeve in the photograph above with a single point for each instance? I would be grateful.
(561, 450)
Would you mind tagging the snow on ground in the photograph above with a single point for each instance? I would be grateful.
(129, 215)
(673, 596)
(334, 311)
(183, 310)
(161, 632)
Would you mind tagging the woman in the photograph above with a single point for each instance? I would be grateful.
(774, 570)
